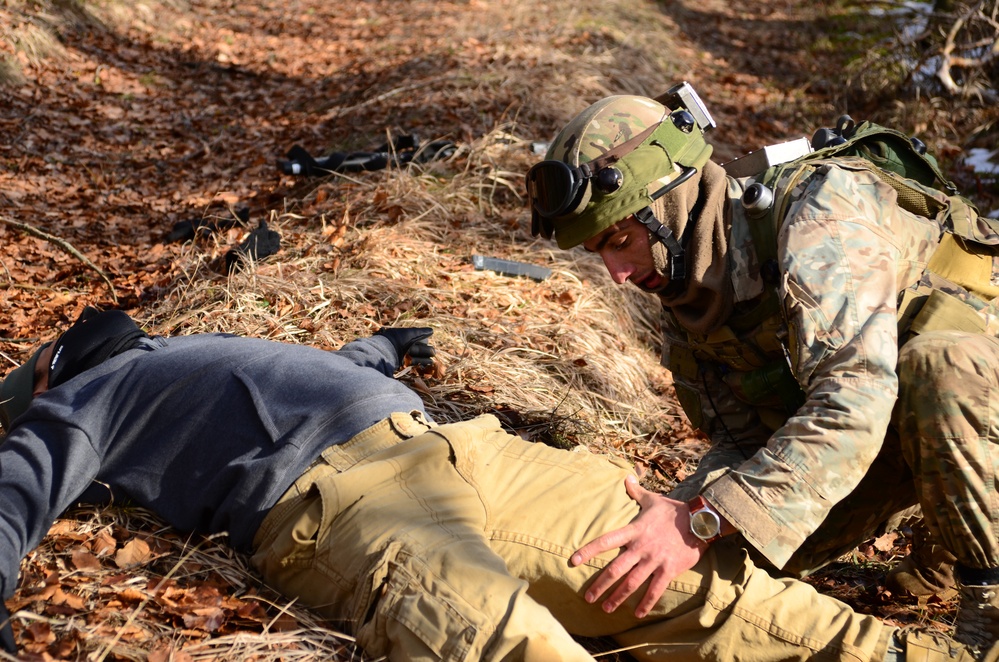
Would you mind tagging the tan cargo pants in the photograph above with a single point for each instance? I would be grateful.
(452, 543)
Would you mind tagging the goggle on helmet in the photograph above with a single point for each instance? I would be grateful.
(613, 160)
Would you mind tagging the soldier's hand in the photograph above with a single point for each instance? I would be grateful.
(656, 546)
(411, 342)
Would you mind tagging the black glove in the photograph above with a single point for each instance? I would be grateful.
(6, 631)
(411, 342)
(262, 242)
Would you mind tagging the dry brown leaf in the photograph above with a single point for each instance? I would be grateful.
(130, 594)
(63, 527)
(886, 543)
(40, 632)
(135, 552)
(104, 542)
(69, 599)
(208, 619)
(84, 560)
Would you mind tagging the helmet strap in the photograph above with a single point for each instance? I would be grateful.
(676, 263)
(676, 258)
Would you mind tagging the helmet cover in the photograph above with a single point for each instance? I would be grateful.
(672, 144)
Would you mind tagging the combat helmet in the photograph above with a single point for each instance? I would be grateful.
(613, 160)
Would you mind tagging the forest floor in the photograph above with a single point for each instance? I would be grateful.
(128, 125)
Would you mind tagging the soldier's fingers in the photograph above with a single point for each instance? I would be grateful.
(608, 541)
(608, 577)
(657, 586)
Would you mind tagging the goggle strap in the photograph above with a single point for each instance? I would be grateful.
(615, 154)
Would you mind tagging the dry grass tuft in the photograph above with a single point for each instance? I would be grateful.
(394, 248)
(569, 361)
(24, 43)
(31, 30)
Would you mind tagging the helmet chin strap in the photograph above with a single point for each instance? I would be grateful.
(675, 267)
(674, 264)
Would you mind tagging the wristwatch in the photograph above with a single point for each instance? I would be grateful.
(705, 523)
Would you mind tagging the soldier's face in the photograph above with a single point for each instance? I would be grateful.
(624, 248)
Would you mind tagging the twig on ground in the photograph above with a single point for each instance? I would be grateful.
(63, 244)
(340, 111)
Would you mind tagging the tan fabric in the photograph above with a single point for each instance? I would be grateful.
(707, 300)
(453, 544)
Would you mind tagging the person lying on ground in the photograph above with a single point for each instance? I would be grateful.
(427, 541)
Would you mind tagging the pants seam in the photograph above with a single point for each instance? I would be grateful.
(773, 630)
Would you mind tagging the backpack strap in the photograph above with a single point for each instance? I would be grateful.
(764, 224)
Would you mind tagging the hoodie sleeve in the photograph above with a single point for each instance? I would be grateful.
(44, 468)
(376, 352)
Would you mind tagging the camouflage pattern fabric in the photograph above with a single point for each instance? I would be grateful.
(645, 168)
(948, 418)
(804, 486)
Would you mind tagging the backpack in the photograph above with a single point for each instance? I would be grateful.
(901, 162)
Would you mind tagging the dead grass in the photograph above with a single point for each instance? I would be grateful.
(395, 249)
(569, 361)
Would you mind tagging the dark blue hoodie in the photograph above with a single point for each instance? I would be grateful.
(207, 431)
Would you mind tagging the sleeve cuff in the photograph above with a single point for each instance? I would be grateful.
(756, 522)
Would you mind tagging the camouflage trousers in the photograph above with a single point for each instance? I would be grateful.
(452, 543)
(941, 455)
(948, 418)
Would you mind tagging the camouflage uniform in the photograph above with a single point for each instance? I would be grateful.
(806, 462)
(783, 320)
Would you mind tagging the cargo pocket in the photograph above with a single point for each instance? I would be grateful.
(809, 330)
(410, 608)
(286, 545)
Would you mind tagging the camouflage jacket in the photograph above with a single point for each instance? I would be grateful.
(782, 456)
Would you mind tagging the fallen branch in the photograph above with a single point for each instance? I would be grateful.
(950, 60)
(340, 111)
(65, 245)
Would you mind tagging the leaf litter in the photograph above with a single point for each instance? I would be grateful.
(124, 120)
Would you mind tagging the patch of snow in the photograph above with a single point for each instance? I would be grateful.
(982, 160)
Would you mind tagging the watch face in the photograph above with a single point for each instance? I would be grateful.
(705, 524)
